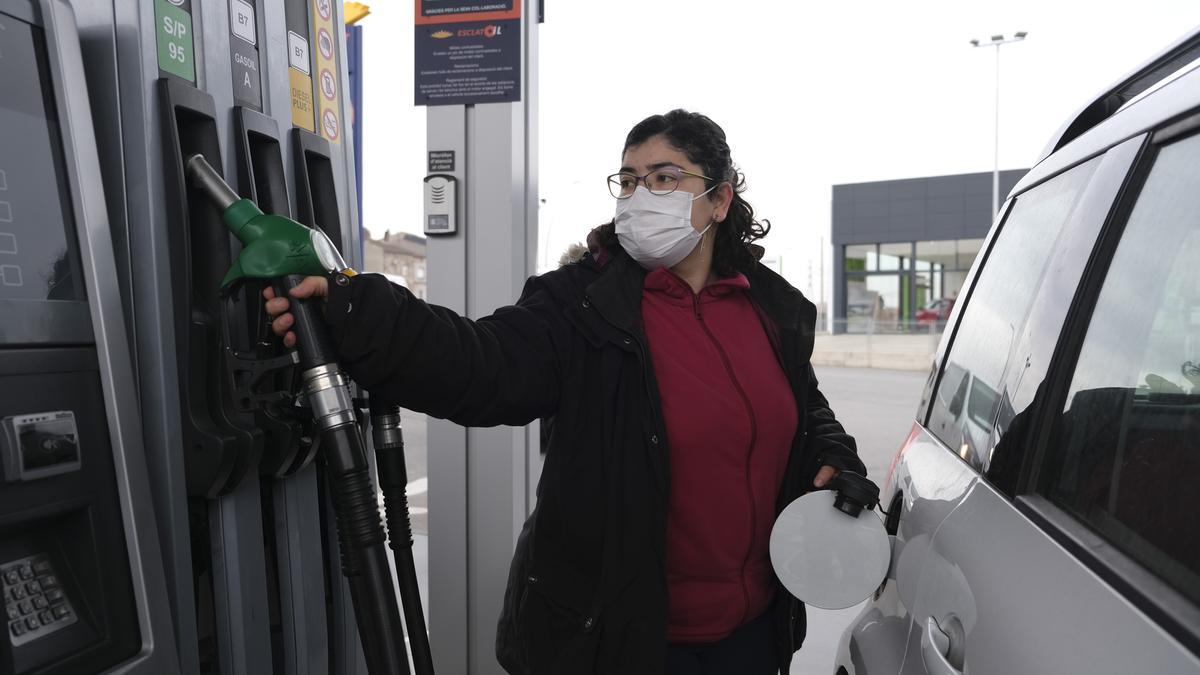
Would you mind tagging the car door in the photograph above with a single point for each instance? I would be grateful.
(1075, 546)
(940, 462)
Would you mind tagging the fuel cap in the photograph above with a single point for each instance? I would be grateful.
(829, 548)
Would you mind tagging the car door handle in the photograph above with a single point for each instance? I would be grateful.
(943, 648)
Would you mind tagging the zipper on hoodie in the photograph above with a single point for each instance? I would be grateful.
(749, 451)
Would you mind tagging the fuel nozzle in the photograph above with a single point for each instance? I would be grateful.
(207, 179)
(273, 246)
(854, 492)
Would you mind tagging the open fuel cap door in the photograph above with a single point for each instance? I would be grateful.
(829, 548)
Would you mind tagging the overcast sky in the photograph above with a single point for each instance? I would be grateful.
(810, 95)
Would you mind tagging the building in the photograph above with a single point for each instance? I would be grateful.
(902, 248)
(399, 255)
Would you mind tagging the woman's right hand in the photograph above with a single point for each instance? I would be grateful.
(281, 319)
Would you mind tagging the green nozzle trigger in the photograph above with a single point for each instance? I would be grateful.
(275, 246)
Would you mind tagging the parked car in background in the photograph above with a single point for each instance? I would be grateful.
(935, 311)
(1045, 504)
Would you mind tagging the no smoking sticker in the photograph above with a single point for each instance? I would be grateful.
(325, 8)
(329, 122)
(328, 84)
(325, 43)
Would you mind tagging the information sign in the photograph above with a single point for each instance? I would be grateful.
(468, 62)
(174, 28)
(441, 161)
(443, 11)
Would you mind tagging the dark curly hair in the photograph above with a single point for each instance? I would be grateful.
(703, 142)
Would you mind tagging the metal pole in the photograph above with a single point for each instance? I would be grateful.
(996, 41)
(826, 307)
(996, 165)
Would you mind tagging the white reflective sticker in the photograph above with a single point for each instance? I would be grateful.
(298, 53)
(241, 20)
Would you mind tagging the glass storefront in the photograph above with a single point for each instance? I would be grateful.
(861, 259)
(906, 285)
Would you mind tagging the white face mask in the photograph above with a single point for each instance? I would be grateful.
(656, 230)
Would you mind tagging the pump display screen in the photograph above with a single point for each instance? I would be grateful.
(38, 260)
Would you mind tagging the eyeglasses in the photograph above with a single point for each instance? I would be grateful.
(660, 182)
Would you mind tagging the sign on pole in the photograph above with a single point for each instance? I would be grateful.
(467, 51)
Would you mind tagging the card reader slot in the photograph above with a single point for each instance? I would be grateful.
(221, 443)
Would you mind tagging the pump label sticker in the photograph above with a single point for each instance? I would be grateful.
(241, 20)
(174, 28)
(302, 100)
(247, 82)
(298, 52)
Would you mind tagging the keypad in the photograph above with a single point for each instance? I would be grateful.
(33, 600)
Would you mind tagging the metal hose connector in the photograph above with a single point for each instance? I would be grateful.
(328, 392)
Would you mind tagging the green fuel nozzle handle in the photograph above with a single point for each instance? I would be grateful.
(273, 246)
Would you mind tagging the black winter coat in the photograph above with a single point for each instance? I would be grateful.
(587, 588)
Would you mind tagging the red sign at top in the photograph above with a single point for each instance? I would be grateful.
(456, 11)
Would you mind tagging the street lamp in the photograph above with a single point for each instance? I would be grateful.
(996, 41)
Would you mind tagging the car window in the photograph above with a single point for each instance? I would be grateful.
(1124, 454)
(965, 403)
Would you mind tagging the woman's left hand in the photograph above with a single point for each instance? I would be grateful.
(826, 474)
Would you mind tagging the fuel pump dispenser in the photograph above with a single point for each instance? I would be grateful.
(81, 569)
(239, 502)
(283, 250)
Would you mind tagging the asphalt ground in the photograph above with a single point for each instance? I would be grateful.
(876, 406)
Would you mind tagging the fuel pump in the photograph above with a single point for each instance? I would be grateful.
(285, 251)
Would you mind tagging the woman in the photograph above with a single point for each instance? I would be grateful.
(686, 415)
